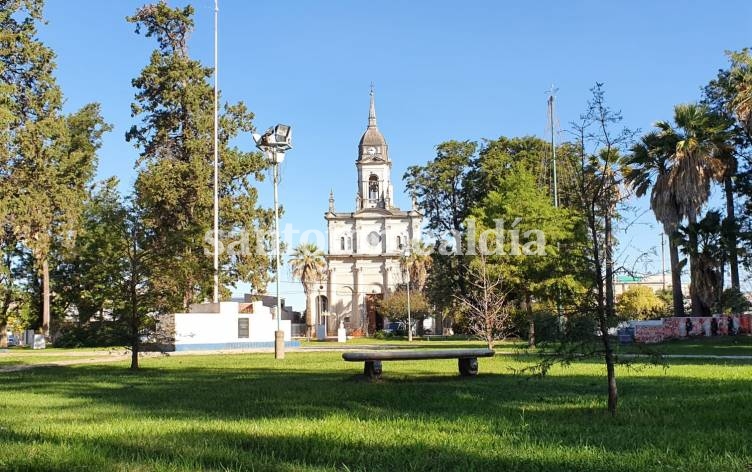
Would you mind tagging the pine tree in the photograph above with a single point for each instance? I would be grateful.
(174, 103)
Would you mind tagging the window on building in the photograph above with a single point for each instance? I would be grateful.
(373, 187)
(243, 331)
(342, 243)
(399, 242)
(349, 243)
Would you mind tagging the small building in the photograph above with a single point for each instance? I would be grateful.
(226, 325)
(655, 282)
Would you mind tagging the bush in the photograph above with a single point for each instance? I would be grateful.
(733, 301)
(381, 334)
(546, 324)
(641, 303)
(97, 334)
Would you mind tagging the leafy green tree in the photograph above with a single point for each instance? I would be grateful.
(525, 209)
(87, 279)
(729, 95)
(438, 190)
(394, 306)
(48, 158)
(173, 190)
(640, 303)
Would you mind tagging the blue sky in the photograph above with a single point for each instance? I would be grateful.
(442, 70)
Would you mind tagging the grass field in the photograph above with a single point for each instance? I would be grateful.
(312, 411)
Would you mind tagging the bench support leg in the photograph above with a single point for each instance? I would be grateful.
(372, 369)
(468, 366)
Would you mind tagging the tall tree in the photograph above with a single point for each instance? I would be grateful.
(308, 266)
(173, 191)
(730, 94)
(525, 209)
(50, 158)
(648, 168)
(438, 189)
(700, 157)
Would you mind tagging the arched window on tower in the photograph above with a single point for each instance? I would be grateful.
(373, 188)
(399, 243)
(342, 243)
(349, 243)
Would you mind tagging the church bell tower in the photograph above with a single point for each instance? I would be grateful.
(374, 167)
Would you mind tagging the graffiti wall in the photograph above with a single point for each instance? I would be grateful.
(655, 331)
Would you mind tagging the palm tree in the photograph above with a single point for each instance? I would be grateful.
(741, 78)
(418, 264)
(648, 168)
(308, 265)
(699, 159)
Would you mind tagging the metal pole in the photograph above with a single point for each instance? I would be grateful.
(409, 316)
(279, 346)
(553, 149)
(555, 185)
(215, 297)
(663, 263)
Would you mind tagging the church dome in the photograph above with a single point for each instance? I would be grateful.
(372, 137)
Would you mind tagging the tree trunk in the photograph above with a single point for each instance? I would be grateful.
(694, 275)
(613, 393)
(45, 297)
(602, 313)
(4, 318)
(609, 260)
(530, 320)
(731, 233)
(134, 354)
(310, 315)
(676, 288)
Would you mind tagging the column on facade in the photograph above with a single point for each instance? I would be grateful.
(355, 318)
(386, 269)
(311, 315)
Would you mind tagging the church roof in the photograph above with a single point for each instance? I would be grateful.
(372, 136)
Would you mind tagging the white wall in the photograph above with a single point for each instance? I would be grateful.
(220, 330)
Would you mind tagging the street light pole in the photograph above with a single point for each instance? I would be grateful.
(274, 143)
(409, 316)
(279, 335)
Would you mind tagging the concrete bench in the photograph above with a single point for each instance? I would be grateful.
(467, 359)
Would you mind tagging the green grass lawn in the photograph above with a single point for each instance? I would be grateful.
(717, 346)
(312, 411)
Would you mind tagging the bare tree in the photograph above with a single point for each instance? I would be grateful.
(485, 305)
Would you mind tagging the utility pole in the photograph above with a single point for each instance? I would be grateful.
(554, 184)
(555, 179)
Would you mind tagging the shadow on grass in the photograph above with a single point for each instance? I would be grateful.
(685, 415)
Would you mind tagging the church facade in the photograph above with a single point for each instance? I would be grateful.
(365, 245)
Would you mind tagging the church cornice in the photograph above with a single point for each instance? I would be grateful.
(367, 213)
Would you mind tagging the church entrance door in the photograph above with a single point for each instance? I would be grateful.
(375, 321)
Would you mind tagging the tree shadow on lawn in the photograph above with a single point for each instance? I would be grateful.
(565, 409)
(268, 450)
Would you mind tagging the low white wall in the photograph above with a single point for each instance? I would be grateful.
(220, 330)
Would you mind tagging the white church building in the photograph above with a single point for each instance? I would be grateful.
(365, 245)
